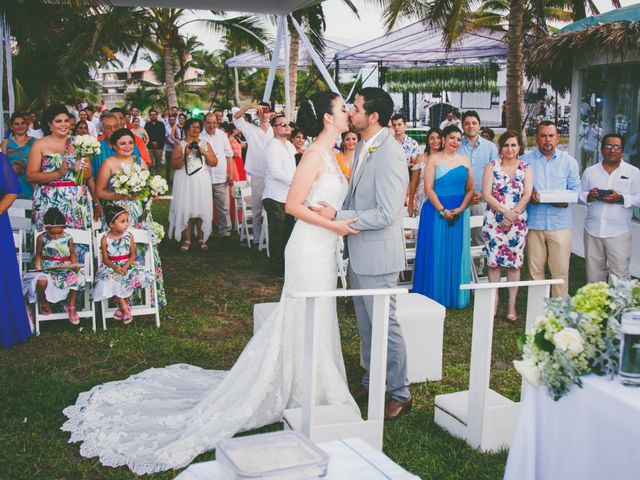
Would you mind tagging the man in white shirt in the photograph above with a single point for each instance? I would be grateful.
(135, 113)
(280, 165)
(257, 138)
(408, 144)
(611, 189)
(84, 117)
(222, 173)
(450, 120)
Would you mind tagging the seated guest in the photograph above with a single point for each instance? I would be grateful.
(549, 237)
(14, 322)
(506, 187)
(442, 251)
(347, 149)
(280, 165)
(417, 194)
(16, 148)
(611, 189)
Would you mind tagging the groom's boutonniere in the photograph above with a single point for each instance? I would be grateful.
(372, 149)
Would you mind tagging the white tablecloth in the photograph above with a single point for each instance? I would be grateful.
(349, 459)
(591, 433)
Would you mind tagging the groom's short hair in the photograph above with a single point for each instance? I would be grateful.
(379, 101)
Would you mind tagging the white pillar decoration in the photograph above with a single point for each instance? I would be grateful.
(288, 108)
(315, 57)
(275, 57)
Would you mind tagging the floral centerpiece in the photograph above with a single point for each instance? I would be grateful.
(86, 147)
(577, 336)
(135, 181)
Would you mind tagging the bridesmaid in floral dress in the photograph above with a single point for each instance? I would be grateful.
(506, 185)
(122, 142)
(52, 168)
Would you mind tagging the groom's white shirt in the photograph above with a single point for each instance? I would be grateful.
(364, 152)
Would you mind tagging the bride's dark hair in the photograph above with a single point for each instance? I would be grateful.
(310, 117)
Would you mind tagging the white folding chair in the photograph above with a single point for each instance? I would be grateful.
(21, 208)
(343, 263)
(150, 305)
(237, 204)
(246, 230)
(17, 241)
(410, 239)
(80, 237)
(263, 242)
(477, 251)
(24, 226)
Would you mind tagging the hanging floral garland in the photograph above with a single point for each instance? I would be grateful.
(450, 78)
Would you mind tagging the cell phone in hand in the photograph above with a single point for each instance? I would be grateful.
(603, 193)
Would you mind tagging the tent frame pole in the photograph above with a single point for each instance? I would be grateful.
(274, 59)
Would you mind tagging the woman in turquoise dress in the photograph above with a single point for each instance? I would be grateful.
(123, 143)
(53, 168)
(16, 148)
(443, 247)
(14, 321)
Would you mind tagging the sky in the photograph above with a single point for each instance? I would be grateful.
(342, 24)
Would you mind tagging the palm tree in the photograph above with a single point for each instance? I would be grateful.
(518, 17)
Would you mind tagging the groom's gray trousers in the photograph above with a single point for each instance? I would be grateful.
(397, 383)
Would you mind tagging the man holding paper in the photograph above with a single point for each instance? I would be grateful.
(549, 241)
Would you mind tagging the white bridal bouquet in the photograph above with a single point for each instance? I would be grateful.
(86, 147)
(577, 336)
(132, 180)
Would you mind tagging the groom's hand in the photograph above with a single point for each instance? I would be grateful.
(325, 210)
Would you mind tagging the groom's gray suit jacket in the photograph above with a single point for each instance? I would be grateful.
(376, 196)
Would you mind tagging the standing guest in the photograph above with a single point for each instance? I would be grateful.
(232, 132)
(135, 113)
(83, 116)
(72, 122)
(299, 140)
(54, 248)
(110, 124)
(549, 241)
(487, 133)
(345, 156)
(14, 321)
(450, 120)
(178, 131)
(141, 146)
(417, 194)
(192, 203)
(169, 142)
(138, 131)
(16, 148)
(611, 189)
(480, 152)
(280, 165)
(219, 116)
(221, 173)
(34, 129)
(506, 185)
(102, 107)
(442, 251)
(127, 120)
(257, 138)
(123, 142)
(52, 168)
(94, 119)
(156, 132)
(81, 128)
(408, 144)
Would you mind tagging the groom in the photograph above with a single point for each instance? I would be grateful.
(376, 197)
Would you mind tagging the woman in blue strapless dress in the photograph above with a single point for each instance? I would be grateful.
(443, 248)
(14, 323)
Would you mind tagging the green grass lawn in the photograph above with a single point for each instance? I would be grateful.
(207, 323)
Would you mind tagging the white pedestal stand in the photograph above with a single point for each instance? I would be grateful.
(482, 417)
(323, 423)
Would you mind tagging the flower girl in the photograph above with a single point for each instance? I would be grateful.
(119, 273)
(54, 249)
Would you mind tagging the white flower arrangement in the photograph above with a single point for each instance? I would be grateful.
(577, 336)
(158, 186)
(132, 180)
(156, 232)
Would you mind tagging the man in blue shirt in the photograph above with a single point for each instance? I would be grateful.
(110, 123)
(549, 240)
(480, 152)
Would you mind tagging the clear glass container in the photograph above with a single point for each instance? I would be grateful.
(285, 455)
(630, 348)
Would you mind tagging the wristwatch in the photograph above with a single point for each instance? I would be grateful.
(442, 212)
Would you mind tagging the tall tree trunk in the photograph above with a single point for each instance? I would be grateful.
(515, 67)
(169, 78)
(46, 95)
(294, 49)
(236, 86)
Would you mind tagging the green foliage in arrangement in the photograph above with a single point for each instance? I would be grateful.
(449, 78)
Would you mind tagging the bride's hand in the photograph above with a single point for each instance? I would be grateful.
(325, 210)
(343, 227)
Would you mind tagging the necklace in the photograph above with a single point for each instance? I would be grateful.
(448, 157)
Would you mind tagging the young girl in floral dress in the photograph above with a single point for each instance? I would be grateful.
(119, 274)
(54, 248)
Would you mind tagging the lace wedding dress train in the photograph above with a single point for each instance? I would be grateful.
(163, 418)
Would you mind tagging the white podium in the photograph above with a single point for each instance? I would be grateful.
(324, 423)
(482, 417)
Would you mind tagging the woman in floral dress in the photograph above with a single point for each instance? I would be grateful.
(506, 185)
(123, 143)
(52, 168)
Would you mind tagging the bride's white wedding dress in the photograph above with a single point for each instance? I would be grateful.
(163, 418)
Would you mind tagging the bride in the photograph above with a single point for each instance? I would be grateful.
(163, 418)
